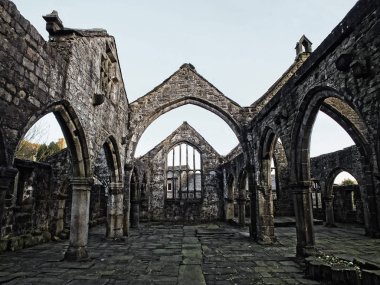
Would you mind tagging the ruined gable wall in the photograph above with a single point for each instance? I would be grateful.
(210, 208)
(36, 75)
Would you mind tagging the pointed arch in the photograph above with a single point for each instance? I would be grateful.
(266, 151)
(340, 109)
(331, 178)
(113, 158)
(343, 110)
(72, 131)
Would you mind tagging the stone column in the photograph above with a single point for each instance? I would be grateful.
(80, 209)
(253, 203)
(229, 209)
(115, 214)
(7, 175)
(135, 205)
(241, 202)
(329, 211)
(371, 204)
(265, 221)
(127, 197)
(304, 218)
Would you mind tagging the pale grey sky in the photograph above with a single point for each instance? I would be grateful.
(241, 47)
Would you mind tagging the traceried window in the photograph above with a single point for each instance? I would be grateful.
(183, 172)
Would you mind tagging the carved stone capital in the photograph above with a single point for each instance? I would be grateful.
(301, 187)
(81, 183)
(116, 188)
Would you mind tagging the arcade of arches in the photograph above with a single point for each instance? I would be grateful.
(269, 174)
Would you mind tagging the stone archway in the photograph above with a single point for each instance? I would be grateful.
(341, 109)
(115, 213)
(80, 181)
(264, 194)
(185, 86)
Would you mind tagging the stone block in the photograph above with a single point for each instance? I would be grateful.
(46, 236)
(370, 277)
(28, 240)
(3, 245)
(16, 243)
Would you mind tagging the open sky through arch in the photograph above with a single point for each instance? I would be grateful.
(241, 47)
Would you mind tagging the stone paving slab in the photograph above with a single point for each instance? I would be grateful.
(176, 254)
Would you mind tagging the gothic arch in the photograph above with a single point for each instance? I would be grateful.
(323, 98)
(354, 126)
(113, 159)
(72, 131)
(333, 174)
(184, 87)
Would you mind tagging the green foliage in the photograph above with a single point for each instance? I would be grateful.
(348, 181)
(47, 150)
(27, 150)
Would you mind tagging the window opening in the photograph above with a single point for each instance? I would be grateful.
(183, 173)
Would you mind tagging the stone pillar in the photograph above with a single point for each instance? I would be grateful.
(7, 175)
(127, 197)
(115, 214)
(135, 214)
(304, 218)
(253, 203)
(80, 209)
(371, 204)
(329, 211)
(229, 209)
(265, 220)
(241, 202)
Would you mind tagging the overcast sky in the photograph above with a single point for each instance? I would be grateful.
(242, 47)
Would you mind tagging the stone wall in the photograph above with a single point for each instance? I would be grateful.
(38, 77)
(341, 79)
(206, 209)
(348, 206)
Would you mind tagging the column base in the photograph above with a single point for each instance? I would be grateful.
(305, 251)
(76, 254)
(329, 225)
(372, 233)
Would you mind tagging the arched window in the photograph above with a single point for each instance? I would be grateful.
(183, 172)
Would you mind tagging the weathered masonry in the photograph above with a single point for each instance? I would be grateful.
(76, 76)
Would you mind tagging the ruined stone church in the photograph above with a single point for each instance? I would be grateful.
(184, 181)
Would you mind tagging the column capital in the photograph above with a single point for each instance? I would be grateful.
(81, 182)
(116, 188)
(300, 187)
(329, 198)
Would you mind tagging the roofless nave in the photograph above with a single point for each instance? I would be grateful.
(76, 75)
